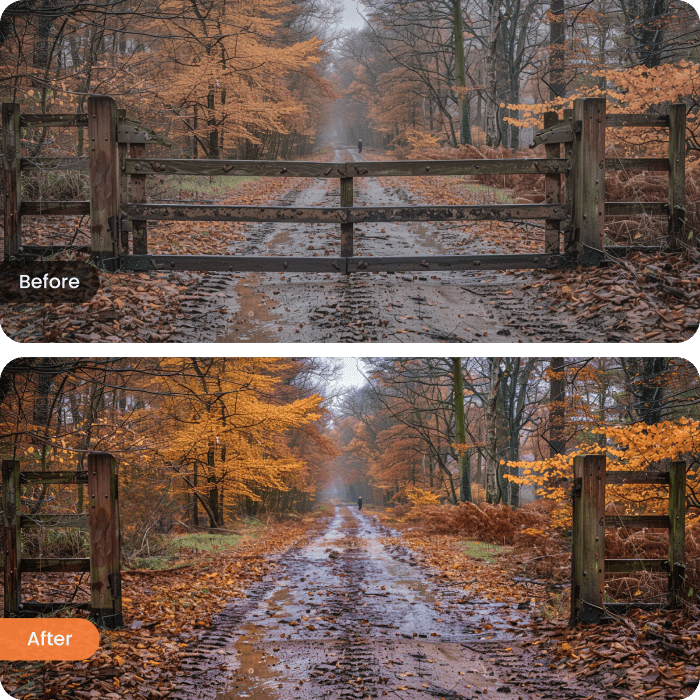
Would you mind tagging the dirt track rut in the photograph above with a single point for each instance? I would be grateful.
(353, 616)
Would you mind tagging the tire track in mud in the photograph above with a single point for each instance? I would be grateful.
(351, 615)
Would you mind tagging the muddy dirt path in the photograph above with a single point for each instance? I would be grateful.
(461, 306)
(353, 616)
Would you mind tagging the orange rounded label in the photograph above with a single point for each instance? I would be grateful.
(52, 639)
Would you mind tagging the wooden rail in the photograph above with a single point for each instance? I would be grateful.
(102, 518)
(588, 563)
(428, 263)
(575, 154)
(343, 215)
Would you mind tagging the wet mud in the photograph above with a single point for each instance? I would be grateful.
(353, 615)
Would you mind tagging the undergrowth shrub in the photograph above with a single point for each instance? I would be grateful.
(62, 185)
(56, 543)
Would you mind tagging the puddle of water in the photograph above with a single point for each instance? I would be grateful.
(254, 318)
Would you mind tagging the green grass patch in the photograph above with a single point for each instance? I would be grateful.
(483, 550)
(196, 187)
(202, 542)
(493, 193)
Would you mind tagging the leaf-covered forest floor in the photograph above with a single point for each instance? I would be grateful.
(369, 602)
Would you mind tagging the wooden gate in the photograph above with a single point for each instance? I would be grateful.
(103, 520)
(588, 563)
(117, 208)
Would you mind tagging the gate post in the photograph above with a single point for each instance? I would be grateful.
(11, 162)
(123, 246)
(589, 185)
(138, 194)
(569, 180)
(346, 232)
(676, 533)
(588, 545)
(676, 175)
(552, 189)
(105, 571)
(104, 176)
(11, 495)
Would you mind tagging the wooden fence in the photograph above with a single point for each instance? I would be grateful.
(588, 563)
(102, 518)
(118, 208)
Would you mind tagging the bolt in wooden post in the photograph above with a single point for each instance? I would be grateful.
(138, 195)
(11, 162)
(676, 175)
(346, 234)
(552, 189)
(103, 158)
(11, 494)
(588, 547)
(676, 533)
(123, 186)
(105, 571)
(589, 187)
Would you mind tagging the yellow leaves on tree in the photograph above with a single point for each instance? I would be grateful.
(222, 429)
(637, 447)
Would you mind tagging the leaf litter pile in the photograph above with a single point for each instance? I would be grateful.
(644, 654)
(165, 611)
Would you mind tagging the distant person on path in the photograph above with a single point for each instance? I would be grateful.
(359, 148)
(359, 500)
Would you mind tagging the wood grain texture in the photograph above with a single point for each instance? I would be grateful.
(552, 187)
(659, 165)
(618, 121)
(105, 571)
(11, 502)
(620, 478)
(75, 565)
(435, 263)
(12, 182)
(138, 195)
(28, 522)
(402, 168)
(60, 477)
(52, 164)
(628, 566)
(346, 230)
(637, 521)
(636, 208)
(340, 215)
(104, 175)
(55, 208)
(676, 535)
(676, 176)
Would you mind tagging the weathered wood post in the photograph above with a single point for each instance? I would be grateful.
(588, 546)
(552, 188)
(589, 185)
(103, 158)
(11, 494)
(569, 179)
(105, 571)
(123, 185)
(346, 232)
(11, 161)
(676, 175)
(676, 533)
(138, 195)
